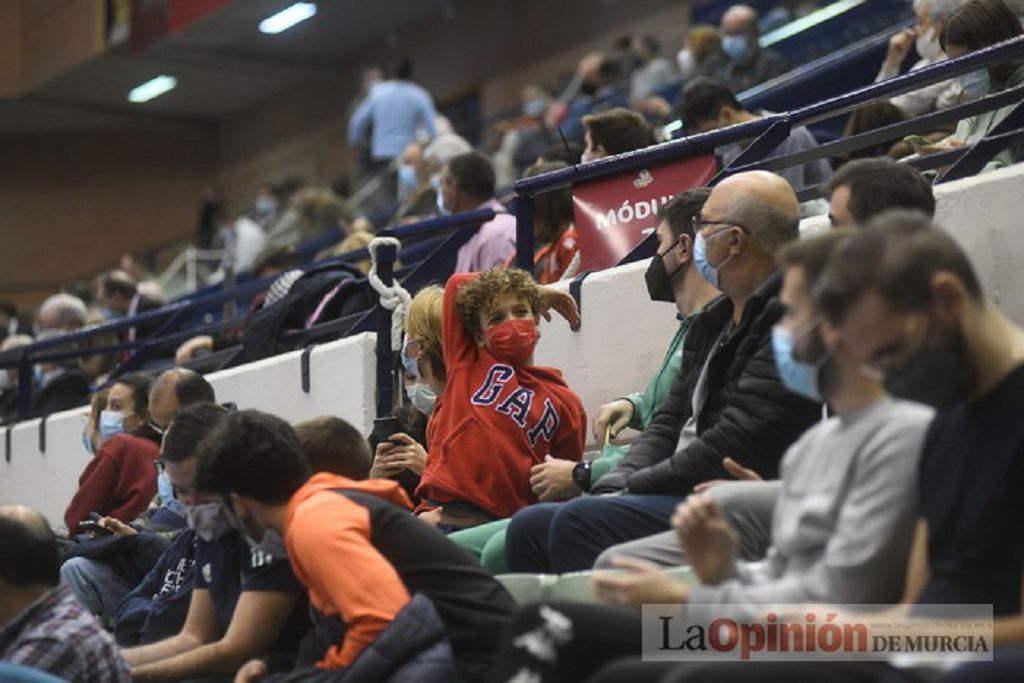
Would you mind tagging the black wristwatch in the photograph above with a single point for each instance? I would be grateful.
(581, 475)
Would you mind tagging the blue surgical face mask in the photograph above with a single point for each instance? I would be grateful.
(406, 178)
(734, 46)
(700, 259)
(87, 442)
(410, 365)
(534, 108)
(265, 205)
(111, 424)
(975, 84)
(798, 376)
(166, 492)
(422, 397)
(38, 375)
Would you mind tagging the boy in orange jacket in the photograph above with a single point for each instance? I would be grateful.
(501, 414)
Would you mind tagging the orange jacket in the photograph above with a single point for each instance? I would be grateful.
(329, 544)
(496, 424)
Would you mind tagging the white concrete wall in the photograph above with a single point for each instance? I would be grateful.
(986, 216)
(621, 343)
(342, 384)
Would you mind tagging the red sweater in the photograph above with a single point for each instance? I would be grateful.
(497, 423)
(119, 482)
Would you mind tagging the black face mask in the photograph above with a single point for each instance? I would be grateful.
(937, 377)
(659, 280)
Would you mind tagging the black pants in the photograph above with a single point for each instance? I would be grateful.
(566, 641)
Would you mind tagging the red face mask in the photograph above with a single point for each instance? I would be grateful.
(512, 341)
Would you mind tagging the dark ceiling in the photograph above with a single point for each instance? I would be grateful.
(222, 62)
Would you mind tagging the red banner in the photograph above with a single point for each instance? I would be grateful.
(614, 214)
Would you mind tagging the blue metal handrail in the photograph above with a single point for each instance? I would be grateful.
(461, 226)
(766, 133)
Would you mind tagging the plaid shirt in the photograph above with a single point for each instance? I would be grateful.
(56, 634)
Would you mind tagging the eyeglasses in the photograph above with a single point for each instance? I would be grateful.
(700, 225)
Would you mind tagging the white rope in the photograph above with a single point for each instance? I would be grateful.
(393, 298)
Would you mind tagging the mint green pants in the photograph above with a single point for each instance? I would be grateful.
(486, 543)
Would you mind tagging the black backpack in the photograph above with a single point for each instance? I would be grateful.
(262, 335)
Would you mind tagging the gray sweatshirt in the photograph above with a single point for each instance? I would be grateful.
(845, 515)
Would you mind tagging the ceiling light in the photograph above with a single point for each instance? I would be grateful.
(152, 88)
(286, 18)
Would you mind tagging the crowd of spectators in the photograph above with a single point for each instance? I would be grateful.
(832, 423)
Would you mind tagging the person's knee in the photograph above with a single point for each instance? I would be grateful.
(527, 535)
(493, 556)
(74, 572)
(605, 559)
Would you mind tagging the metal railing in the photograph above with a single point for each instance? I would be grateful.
(452, 232)
(767, 133)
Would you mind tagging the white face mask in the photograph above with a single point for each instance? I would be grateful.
(422, 397)
(687, 65)
(928, 47)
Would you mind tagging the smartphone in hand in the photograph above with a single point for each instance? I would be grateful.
(385, 427)
(93, 526)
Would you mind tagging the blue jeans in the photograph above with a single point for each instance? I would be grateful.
(95, 584)
(567, 537)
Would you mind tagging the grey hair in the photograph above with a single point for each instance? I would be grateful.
(939, 8)
(771, 227)
(445, 147)
(69, 309)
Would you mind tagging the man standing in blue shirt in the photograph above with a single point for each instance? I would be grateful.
(391, 115)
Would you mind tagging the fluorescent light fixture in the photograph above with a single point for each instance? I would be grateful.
(152, 88)
(288, 17)
(811, 20)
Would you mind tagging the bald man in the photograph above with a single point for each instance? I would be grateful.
(95, 581)
(749, 64)
(42, 624)
(727, 400)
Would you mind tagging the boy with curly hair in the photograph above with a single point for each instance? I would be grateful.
(502, 414)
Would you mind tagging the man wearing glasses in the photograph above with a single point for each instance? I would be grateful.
(101, 576)
(727, 400)
(244, 604)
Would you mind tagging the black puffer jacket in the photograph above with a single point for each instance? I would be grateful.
(748, 414)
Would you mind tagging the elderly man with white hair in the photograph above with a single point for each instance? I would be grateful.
(924, 38)
(62, 312)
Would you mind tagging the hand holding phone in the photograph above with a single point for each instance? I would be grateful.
(95, 527)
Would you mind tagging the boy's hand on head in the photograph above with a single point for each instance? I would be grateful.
(562, 303)
(552, 479)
